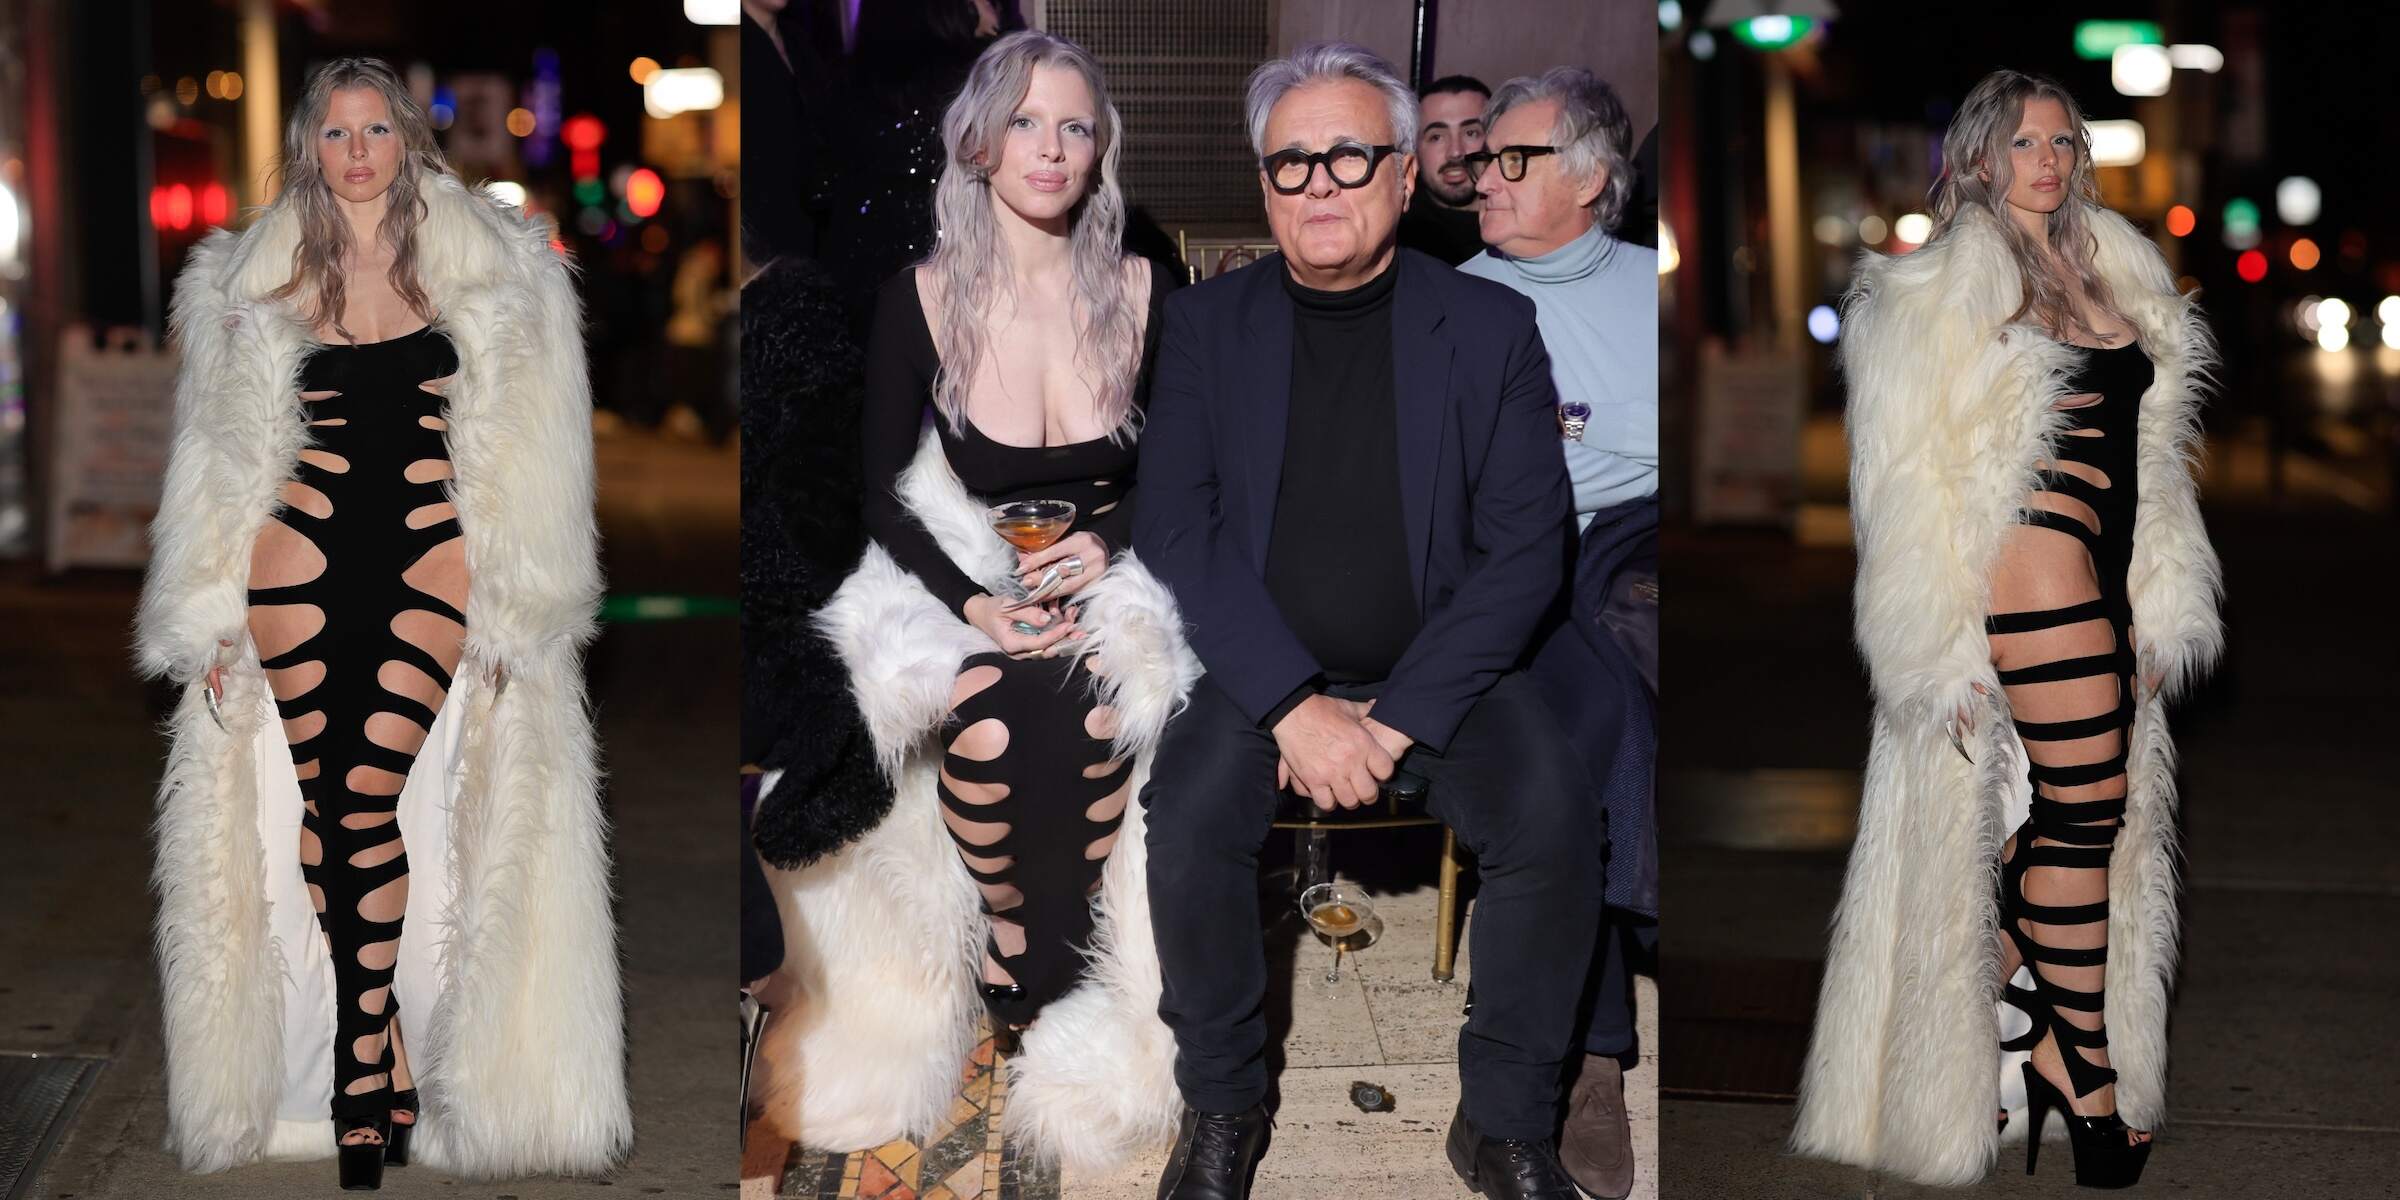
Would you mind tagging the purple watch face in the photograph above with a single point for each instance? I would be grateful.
(1575, 410)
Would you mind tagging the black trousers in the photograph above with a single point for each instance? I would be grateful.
(1516, 794)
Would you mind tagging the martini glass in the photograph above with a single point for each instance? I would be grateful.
(1341, 914)
(1031, 525)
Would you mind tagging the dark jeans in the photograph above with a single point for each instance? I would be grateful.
(1516, 794)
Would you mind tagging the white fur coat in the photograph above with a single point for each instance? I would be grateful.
(508, 981)
(1950, 408)
(885, 937)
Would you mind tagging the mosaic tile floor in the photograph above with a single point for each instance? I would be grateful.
(963, 1160)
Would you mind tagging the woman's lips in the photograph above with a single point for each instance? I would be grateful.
(2045, 185)
(1046, 181)
(359, 174)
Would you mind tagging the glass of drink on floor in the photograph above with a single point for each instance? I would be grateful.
(1341, 914)
(1032, 525)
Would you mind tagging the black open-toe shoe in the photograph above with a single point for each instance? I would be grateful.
(395, 1146)
(362, 1162)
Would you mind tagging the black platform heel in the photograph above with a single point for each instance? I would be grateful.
(1006, 1003)
(2105, 1157)
(395, 1143)
(362, 1162)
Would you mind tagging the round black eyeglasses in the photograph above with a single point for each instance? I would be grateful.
(1348, 164)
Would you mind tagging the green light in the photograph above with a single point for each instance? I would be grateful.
(2240, 215)
(2100, 39)
(639, 607)
(1772, 32)
(590, 191)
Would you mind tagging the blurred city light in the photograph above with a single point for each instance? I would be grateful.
(1872, 230)
(2251, 266)
(12, 223)
(2118, 143)
(2195, 56)
(2391, 334)
(2298, 201)
(2140, 70)
(2332, 311)
(643, 68)
(644, 192)
(520, 122)
(1704, 45)
(2333, 337)
(1668, 257)
(682, 90)
(2096, 40)
(1824, 325)
(1913, 228)
(713, 12)
(2305, 255)
(506, 192)
(2181, 220)
(2388, 311)
(2305, 314)
(233, 85)
(1832, 230)
(1670, 15)
(1775, 31)
(215, 204)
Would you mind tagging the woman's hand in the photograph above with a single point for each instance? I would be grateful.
(2145, 683)
(1091, 562)
(216, 674)
(1961, 724)
(1050, 626)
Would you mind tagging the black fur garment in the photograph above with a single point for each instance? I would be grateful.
(801, 392)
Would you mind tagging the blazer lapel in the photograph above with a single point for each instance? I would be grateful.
(1264, 379)
(1421, 380)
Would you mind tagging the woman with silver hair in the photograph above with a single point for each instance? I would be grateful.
(1010, 687)
(2034, 583)
(377, 526)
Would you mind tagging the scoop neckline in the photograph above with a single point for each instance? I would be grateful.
(419, 331)
(925, 326)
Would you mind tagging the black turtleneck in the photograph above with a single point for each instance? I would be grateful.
(1337, 560)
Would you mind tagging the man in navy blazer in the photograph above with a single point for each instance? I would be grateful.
(1351, 477)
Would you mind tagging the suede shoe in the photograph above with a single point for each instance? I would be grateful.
(1215, 1155)
(1507, 1168)
(1596, 1146)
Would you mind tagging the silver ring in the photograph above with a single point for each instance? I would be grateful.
(1073, 564)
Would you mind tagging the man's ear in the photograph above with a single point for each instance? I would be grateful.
(1590, 192)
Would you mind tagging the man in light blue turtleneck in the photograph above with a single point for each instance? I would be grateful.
(1554, 174)
(1547, 213)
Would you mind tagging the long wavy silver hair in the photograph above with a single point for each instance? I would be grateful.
(971, 267)
(324, 231)
(1976, 145)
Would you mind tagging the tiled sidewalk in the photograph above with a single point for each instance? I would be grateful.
(1385, 1022)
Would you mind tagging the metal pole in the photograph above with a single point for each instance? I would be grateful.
(1784, 236)
(262, 100)
(1420, 46)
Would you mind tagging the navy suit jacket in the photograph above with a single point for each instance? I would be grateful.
(1482, 481)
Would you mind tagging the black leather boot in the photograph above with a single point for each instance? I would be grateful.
(1215, 1154)
(1507, 1168)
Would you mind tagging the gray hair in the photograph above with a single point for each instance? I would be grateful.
(1978, 141)
(1592, 132)
(972, 268)
(317, 257)
(1326, 62)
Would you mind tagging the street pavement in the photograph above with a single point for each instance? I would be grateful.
(2282, 1049)
(78, 737)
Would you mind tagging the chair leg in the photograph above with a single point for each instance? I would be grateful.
(1445, 929)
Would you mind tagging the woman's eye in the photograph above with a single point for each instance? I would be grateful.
(379, 129)
(1020, 122)
(1079, 129)
(2021, 143)
(333, 133)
